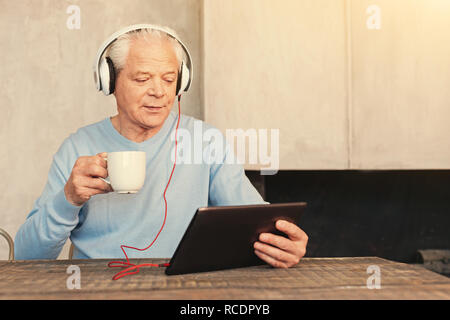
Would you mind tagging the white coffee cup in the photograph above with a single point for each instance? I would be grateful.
(126, 171)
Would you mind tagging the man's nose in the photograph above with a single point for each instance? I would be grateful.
(156, 89)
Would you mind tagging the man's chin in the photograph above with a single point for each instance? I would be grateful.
(155, 119)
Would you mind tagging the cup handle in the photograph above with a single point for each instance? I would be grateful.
(105, 180)
(106, 159)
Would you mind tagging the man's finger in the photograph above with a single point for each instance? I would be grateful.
(270, 260)
(102, 161)
(292, 230)
(275, 253)
(279, 242)
(94, 170)
(99, 184)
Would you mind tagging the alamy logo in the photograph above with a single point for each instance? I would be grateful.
(374, 281)
(74, 20)
(211, 147)
(74, 280)
(374, 20)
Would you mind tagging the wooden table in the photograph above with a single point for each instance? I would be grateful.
(312, 278)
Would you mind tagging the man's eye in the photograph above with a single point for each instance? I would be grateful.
(169, 80)
(141, 80)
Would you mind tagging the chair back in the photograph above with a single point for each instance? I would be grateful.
(10, 243)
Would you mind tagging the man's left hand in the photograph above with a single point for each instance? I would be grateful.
(282, 252)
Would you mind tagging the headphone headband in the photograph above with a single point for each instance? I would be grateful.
(136, 27)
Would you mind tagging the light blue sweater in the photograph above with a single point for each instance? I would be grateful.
(106, 221)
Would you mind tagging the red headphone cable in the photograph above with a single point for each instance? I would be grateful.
(133, 268)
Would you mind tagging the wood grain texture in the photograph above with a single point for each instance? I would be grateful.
(312, 278)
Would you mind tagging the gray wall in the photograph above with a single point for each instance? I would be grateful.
(343, 95)
(47, 89)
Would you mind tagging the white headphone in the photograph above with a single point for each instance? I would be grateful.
(104, 73)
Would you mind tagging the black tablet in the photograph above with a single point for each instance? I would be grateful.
(222, 237)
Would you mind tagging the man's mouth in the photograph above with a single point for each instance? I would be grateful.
(153, 108)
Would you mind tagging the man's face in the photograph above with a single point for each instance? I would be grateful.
(145, 87)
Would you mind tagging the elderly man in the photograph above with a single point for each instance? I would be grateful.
(77, 204)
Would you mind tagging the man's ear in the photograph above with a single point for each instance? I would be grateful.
(117, 75)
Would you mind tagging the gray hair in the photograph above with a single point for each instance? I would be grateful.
(118, 50)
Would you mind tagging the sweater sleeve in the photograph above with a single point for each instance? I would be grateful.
(52, 218)
(228, 183)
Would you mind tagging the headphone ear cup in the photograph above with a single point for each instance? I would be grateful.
(180, 75)
(183, 79)
(107, 76)
(112, 75)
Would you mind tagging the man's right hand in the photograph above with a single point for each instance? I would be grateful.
(84, 181)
